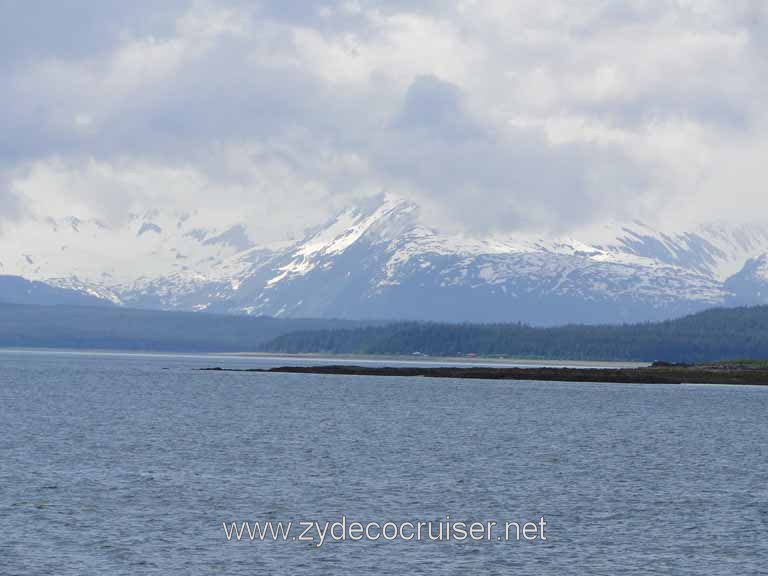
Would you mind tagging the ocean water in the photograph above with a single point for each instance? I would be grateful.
(124, 464)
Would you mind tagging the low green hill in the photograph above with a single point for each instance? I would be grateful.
(735, 333)
(115, 328)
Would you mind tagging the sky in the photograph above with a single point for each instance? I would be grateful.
(495, 115)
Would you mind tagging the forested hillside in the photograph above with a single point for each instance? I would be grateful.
(711, 335)
(719, 334)
(119, 328)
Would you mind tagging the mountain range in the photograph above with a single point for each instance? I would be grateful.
(378, 260)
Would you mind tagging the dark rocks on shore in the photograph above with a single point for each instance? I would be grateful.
(658, 373)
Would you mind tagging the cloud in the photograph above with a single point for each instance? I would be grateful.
(497, 114)
(495, 178)
(10, 207)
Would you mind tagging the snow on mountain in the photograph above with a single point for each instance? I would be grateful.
(717, 250)
(750, 285)
(147, 253)
(379, 260)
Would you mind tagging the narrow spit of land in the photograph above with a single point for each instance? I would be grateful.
(743, 373)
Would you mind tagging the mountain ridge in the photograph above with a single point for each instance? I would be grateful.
(119, 328)
(379, 260)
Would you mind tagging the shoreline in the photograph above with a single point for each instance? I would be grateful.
(722, 374)
(330, 358)
(442, 360)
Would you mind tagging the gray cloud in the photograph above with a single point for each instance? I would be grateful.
(10, 208)
(35, 29)
(505, 115)
(492, 179)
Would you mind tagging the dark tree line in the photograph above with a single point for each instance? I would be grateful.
(112, 327)
(718, 334)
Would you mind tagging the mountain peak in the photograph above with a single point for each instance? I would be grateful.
(379, 260)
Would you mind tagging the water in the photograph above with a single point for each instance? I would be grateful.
(129, 465)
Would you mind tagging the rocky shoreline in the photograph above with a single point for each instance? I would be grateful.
(659, 373)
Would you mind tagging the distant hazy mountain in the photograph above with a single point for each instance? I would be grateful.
(750, 285)
(380, 261)
(117, 328)
(21, 291)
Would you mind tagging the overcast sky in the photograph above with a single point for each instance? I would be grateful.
(496, 114)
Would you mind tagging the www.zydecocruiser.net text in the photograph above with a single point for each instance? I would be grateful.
(344, 530)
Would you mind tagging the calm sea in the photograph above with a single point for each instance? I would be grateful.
(119, 464)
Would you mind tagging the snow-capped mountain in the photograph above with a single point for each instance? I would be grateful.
(379, 260)
(750, 285)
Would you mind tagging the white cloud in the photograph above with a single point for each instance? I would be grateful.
(548, 114)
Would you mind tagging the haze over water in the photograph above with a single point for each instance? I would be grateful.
(130, 464)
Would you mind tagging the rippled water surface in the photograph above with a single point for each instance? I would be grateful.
(130, 464)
